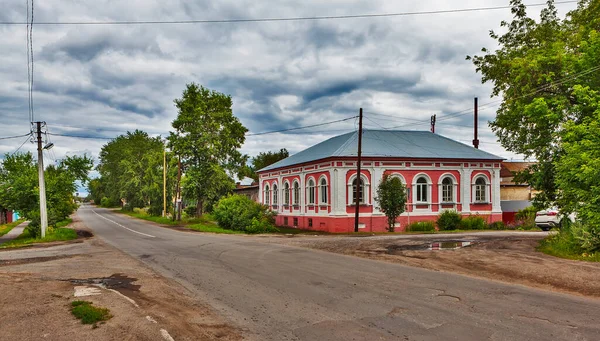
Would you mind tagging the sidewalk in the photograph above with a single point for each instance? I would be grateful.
(14, 233)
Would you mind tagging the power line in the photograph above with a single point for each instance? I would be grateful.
(82, 136)
(253, 20)
(22, 144)
(14, 137)
(304, 127)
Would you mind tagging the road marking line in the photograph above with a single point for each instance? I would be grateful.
(127, 228)
(125, 297)
(149, 318)
(165, 334)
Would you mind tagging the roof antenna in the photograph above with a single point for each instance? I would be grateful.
(433, 123)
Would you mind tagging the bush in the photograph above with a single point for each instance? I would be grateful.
(497, 225)
(448, 220)
(238, 212)
(473, 223)
(190, 211)
(107, 202)
(525, 218)
(586, 235)
(421, 226)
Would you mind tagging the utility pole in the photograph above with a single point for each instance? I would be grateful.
(433, 117)
(359, 190)
(165, 182)
(42, 182)
(475, 138)
(179, 202)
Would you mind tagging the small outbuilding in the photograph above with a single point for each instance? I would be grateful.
(317, 187)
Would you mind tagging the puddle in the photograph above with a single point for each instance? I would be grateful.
(449, 245)
(441, 245)
(116, 281)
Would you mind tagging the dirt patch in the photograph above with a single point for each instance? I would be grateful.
(512, 259)
(142, 302)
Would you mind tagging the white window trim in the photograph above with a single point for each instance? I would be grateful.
(294, 192)
(286, 198)
(308, 190)
(276, 196)
(428, 185)
(267, 195)
(454, 189)
(321, 202)
(487, 187)
(366, 190)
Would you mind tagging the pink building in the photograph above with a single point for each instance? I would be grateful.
(316, 188)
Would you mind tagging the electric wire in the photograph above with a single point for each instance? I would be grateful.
(22, 144)
(14, 137)
(303, 127)
(307, 18)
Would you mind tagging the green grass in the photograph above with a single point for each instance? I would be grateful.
(4, 229)
(88, 314)
(63, 223)
(212, 228)
(564, 245)
(57, 234)
(140, 214)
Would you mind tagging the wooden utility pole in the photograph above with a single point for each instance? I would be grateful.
(178, 197)
(42, 182)
(165, 182)
(359, 190)
(476, 119)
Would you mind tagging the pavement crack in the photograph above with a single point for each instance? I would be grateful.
(548, 321)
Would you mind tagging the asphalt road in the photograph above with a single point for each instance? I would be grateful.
(276, 292)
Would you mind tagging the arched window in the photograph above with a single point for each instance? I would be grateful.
(267, 197)
(296, 193)
(358, 191)
(311, 191)
(480, 190)
(275, 194)
(447, 190)
(286, 194)
(422, 190)
(323, 191)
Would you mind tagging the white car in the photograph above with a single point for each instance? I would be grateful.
(550, 218)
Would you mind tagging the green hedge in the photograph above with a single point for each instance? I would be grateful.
(448, 220)
(421, 226)
(239, 213)
(473, 223)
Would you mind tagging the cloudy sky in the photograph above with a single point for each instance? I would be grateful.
(102, 80)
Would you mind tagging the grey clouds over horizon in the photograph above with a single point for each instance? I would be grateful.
(106, 80)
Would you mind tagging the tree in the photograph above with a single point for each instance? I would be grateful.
(207, 137)
(391, 196)
(19, 187)
(262, 160)
(536, 70)
(131, 168)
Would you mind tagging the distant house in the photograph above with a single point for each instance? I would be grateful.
(6, 216)
(514, 196)
(250, 191)
(316, 188)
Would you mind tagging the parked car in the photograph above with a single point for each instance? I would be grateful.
(550, 218)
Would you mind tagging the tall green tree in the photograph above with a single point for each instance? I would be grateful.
(391, 196)
(131, 168)
(207, 136)
(262, 160)
(536, 69)
(19, 187)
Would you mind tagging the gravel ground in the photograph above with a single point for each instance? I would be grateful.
(508, 257)
(37, 286)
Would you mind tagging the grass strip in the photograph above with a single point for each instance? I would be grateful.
(88, 314)
(4, 229)
(57, 234)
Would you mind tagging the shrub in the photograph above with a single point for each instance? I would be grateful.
(586, 235)
(238, 212)
(473, 223)
(107, 202)
(448, 220)
(497, 225)
(190, 211)
(525, 218)
(421, 226)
